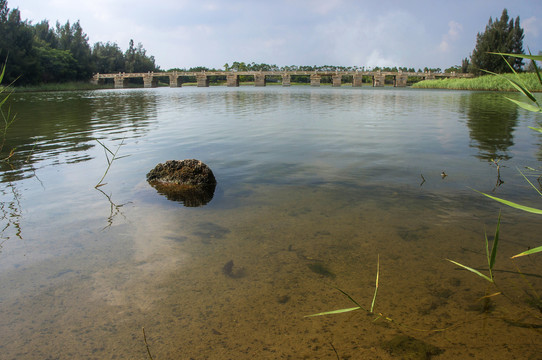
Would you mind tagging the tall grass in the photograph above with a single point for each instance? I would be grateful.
(486, 82)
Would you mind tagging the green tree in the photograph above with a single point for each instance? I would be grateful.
(55, 65)
(73, 39)
(16, 41)
(503, 36)
(136, 59)
(108, 58)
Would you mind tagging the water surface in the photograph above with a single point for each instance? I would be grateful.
(313, 185)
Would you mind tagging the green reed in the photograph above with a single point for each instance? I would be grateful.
(518, 84)
(491, 255)
(485, 82)
(358, 306)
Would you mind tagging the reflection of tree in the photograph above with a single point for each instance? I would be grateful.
(61, 127)
(491, 122)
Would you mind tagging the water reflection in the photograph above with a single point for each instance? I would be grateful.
(115, 209)
(491, 121)
(60, 127)
(189, 196)
(10, 213)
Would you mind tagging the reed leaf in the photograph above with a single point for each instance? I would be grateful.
(513, 204)
(491, 259)
(339, 311)
(471, 270)
(525, 105)
(376, 283)
(528, 252)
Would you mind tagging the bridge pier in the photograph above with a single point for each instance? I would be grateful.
(97, 81)
(120, 82)
(149, 81)
(175, 80)
(232, 80)
(315, 79)
(203, 80)
(357, 80)
(337, 80)
(286, 80)
(400, 80)
(429, 76)
(379, 80)
(259, 79)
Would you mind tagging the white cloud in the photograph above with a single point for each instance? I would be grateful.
(531, 26)
(376, 58)
(454, 30)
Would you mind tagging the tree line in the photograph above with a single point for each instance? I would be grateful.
(242, 66)
(41, 53)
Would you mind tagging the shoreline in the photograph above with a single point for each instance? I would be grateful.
(482, 83)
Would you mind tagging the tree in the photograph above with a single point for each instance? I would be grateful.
(136, 59)
(73, 39)
(107, 58)
(16, 41)
(503, 36)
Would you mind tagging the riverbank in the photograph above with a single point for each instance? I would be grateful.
(69, 86)
(486, 82)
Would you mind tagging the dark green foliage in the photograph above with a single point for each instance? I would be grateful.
(40, 54)
(108, 58)
(502, 36)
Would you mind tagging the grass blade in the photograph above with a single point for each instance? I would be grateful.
(513, 204)
(495, 244)
(525, 105)
(530, 57)
(530, 183)
(471, 270)
(339, 311)
(376, 285)
(528, 252)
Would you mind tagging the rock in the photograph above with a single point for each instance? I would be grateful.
(190, 182)
(183, 172)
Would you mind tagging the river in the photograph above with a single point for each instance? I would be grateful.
(316, 188)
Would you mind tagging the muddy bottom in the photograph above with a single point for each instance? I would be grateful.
(235, 282)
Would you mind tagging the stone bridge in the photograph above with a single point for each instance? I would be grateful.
(150, 79)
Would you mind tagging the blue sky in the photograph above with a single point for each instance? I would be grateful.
(185, 33)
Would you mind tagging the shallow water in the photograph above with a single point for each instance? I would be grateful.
(314, 184)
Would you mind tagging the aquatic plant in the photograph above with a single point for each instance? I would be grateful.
(534, 106)
(491, 255)
(114, 157)
(358, 306)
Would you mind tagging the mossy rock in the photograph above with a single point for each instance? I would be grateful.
(190, 182)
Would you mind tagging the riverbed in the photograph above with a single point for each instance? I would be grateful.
(317, 189)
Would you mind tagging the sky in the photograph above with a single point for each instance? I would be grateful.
(211, 33)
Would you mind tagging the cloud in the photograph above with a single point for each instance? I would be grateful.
(454, 30)
(531, 26)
